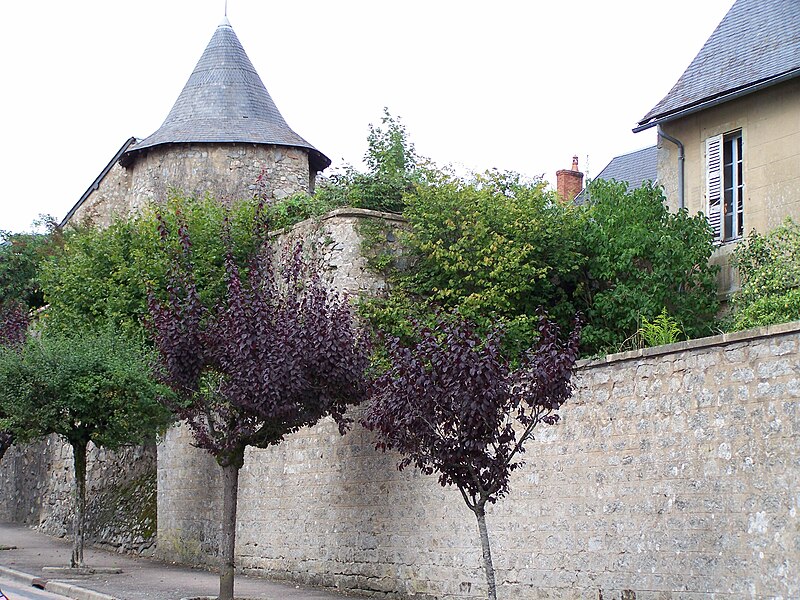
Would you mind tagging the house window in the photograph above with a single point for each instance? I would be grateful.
(725, 186)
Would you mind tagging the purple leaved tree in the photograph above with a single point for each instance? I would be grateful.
(280, 352)
(452, 405)
(14, 321)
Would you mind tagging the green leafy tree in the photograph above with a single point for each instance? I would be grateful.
(21, 258)
(391, 171)
(494, 247)
(86, 387)
(641, 259)
(769, 270)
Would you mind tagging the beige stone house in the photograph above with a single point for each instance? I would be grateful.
(224, 136)
(729, 129)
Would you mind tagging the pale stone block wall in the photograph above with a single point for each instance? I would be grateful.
(673, 474)
(226, 171)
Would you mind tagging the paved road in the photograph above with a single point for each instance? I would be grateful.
(18, 591)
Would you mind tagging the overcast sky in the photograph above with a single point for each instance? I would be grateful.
(511, 84)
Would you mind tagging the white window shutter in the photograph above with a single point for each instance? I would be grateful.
(714, 184)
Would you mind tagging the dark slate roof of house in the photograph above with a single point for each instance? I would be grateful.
(756, 44)
(633, 168)
(225, 101)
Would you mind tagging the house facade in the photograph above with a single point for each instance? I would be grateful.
(729, 130)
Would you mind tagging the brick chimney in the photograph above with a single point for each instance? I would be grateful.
(569, 182)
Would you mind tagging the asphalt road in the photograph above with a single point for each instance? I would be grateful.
(19, 591)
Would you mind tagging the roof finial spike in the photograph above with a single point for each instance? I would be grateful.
(225, 21)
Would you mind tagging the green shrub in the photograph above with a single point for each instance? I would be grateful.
(103, 276)
(493, 246)
(769, 271)
(391, 172)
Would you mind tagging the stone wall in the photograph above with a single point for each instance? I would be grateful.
(36, 489)
(226, 171)
(673, 474)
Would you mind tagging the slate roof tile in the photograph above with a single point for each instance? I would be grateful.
(633, 168)
(756, 41)
(225, 101)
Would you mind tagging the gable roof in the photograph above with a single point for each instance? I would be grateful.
(757, 44)
(633, 168)
(225, 101)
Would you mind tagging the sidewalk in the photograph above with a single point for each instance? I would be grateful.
(141, 578)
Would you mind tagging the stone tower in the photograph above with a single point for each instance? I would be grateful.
(224, 136)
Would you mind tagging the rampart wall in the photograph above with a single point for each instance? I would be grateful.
(674, 473)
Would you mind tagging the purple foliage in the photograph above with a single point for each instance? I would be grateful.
(452, 405)
(14, 321)
(280, 352)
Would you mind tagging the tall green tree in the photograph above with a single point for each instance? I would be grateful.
(392, 171)
(87, 388)
(21, 258)
(640, 259)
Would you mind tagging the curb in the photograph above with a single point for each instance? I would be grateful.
(75, 592)
(55, 587)
(17, 575)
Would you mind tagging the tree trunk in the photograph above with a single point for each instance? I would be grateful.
(480, 513)
(230, 477)
(78, 524)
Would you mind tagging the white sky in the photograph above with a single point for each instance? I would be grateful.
(514, 84)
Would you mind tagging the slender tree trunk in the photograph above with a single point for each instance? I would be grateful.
(78, 526)
(230, 477)
(480, 513)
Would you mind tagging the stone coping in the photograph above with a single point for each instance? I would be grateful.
(715, 340)
(342, 213)
(364, 213)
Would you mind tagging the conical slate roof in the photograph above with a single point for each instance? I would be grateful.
(225, 101)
